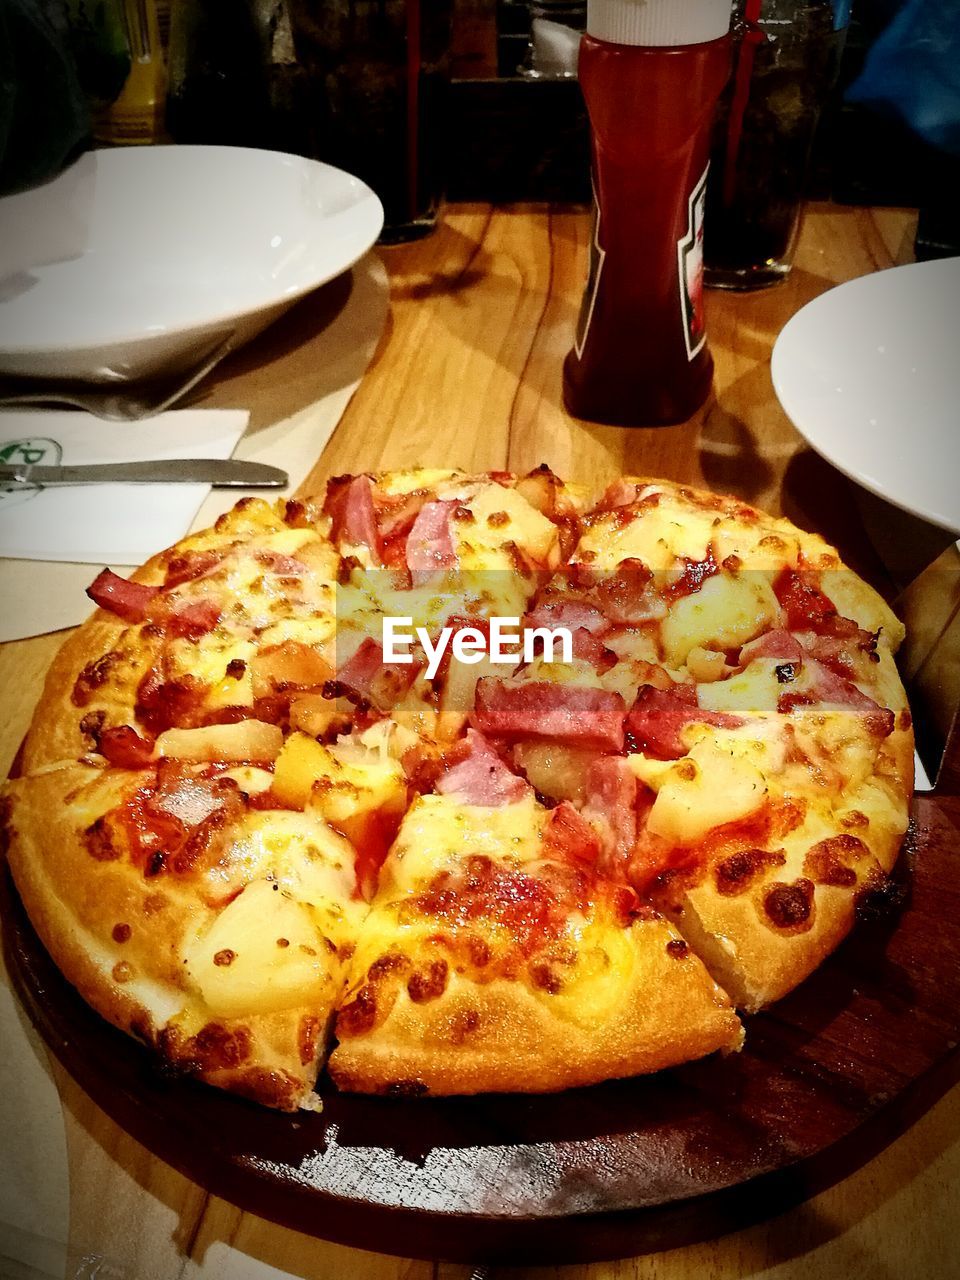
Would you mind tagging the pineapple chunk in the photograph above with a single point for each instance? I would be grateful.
(705, 665)
(263, 952)
(339, 788)
(718, 782)
(524, 525)
(246, 740)
(250, 779)
(290, 664)
(754, 690)
(555, 770)
(724, 613)
(299, 765)
(317, 715)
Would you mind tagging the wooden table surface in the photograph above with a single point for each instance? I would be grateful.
(468, 373)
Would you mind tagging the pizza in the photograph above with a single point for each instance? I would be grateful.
(267, 834)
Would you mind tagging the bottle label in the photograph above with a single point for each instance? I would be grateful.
(690, 270)
(594, 271)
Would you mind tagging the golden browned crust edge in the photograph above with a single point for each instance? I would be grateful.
(500, 1036)
(758, 964)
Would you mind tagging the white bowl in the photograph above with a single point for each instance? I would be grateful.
(869, 373)
(133, 259)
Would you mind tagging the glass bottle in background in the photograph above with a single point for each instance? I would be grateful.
(555, 30)
(163, 25)
(136, 116)
(786, 60)
(379, 79)
(651, 74)
(292, 126)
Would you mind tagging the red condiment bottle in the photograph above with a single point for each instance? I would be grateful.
(651, 72)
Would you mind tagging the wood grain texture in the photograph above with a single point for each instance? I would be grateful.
(468, 373)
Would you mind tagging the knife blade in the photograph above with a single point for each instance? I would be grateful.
(222, 473)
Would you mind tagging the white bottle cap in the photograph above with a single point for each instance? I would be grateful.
(658, 23)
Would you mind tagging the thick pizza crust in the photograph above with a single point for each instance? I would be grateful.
(756, 954)
(55, 737)
(659, 1009)
(75, 904)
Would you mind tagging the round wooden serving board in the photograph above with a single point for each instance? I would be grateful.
(828, 1077)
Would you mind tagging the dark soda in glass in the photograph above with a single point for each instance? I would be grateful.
(785, 64)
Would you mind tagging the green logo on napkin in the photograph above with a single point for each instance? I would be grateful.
(26, 452)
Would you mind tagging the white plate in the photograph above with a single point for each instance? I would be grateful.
(134, 258)
(869, 373)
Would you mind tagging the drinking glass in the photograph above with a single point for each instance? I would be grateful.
(786, 59)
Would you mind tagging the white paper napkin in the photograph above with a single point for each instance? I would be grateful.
(113, 523)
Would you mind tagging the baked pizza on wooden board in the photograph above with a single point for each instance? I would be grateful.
(258, 837)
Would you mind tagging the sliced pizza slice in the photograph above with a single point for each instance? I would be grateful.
(212, 929)
(763, 828)
(230, 624)
(496, 958)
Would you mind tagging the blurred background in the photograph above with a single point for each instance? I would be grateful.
(495, 78)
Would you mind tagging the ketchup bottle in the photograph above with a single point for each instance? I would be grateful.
(651, 72)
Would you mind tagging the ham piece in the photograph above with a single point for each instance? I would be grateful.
(430, 541)
(629, 596)
(349, 504)
(569, 837)
(610, 800)
(586, 717)
(477, 775)
(620, 493)
(194, 619)
(124, 748)
(128, 600)
(654, 722)
(778, 644)
(396, 516)
(575, 614)
(191, 565)
(587, 648)
(365, 677)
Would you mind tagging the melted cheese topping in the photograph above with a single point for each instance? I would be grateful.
(502, 515)
(440, 832)
(723, 778)
(298, 851)
(679, 529)
(259, 607)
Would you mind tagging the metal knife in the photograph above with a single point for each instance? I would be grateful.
(222, 473)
